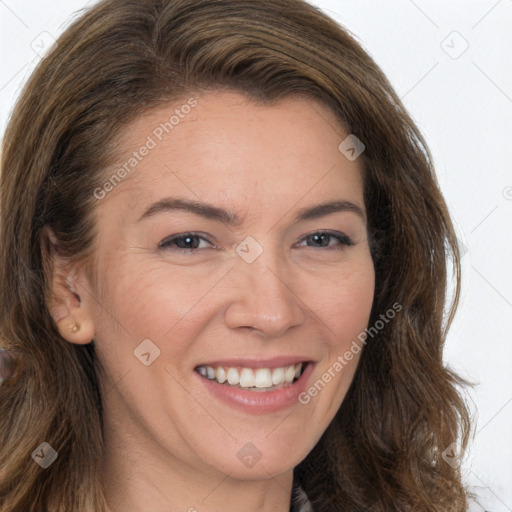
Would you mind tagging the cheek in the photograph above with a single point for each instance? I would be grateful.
(356, 298)
(149, 298)
(344, 301)
(344, 306)
(140, 302)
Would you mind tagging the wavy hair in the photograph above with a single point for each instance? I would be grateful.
(383, 449)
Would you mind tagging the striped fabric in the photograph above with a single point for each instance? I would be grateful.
(300, 501)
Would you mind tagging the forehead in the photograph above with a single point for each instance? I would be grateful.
(223, 147)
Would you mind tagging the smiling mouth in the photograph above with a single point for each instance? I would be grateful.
(258, 379)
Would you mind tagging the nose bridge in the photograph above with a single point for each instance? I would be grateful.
(264, 299)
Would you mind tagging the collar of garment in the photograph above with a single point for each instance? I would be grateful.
(299, 502)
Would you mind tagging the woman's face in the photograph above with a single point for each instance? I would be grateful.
(187, 296)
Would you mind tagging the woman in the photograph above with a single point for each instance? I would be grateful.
(223, 272)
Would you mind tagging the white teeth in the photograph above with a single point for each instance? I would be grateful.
(247, 378)
(233, 377)
(221, 375)
(289, 373)
(261, 378)
(278, 376)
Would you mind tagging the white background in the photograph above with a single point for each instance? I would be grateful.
(461, 98)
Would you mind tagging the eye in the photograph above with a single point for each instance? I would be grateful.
(188, 243)
(323, 238)
(184, 242)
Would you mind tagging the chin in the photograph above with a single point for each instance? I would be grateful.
(261, 458)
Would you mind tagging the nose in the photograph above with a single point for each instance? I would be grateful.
(263, 300)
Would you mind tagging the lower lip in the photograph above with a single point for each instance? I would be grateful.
(258, 402)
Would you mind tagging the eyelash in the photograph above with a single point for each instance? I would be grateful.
(166, 244)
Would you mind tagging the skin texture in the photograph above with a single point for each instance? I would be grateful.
(170, 444)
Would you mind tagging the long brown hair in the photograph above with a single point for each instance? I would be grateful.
(383, 450)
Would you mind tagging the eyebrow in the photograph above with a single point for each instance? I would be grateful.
(215, 213)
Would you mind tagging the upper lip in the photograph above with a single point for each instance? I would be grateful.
(255, 362)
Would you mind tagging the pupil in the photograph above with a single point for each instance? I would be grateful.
(320, 236)
(188, 240)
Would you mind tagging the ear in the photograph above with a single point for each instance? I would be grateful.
(70, 301)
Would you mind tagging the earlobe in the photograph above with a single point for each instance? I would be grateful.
(80, 334)
(69, 303)
(70, 312)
